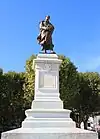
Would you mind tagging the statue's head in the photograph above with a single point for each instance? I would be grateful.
(47, 18)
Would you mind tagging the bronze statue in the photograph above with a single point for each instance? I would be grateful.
(45, 36)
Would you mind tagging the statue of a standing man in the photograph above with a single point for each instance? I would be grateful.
(45, 36)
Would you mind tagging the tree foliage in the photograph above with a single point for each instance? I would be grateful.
(89, 91)
(29, 81)
(11, 99)
(68, 82)
(87, 98)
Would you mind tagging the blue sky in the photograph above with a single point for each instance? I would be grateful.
(76, 35)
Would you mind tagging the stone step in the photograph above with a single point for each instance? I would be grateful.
(48, 119)
(47, 123)
(47, 104)
(48, 113)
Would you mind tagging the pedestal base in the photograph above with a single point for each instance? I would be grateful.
(47, 104)
(49, 133)
(47, 118)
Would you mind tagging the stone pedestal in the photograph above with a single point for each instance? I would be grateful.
(47, 82)
(47, 119)
(47, 108)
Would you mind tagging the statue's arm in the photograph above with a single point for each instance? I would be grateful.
(51, 27)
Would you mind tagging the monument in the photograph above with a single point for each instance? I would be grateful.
(47, 119)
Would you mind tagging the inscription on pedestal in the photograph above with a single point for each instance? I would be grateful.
(47, 80)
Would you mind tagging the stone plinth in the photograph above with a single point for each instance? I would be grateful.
(47, 82)
(47, 119)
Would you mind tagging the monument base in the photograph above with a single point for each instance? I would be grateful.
(47, 119)
(49, 133)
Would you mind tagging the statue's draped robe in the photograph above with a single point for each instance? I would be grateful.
(45, 37)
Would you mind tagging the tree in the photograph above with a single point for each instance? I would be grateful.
(87, 99)
(11, 100)
(1, 71)
(29, 82)
(68, 82)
